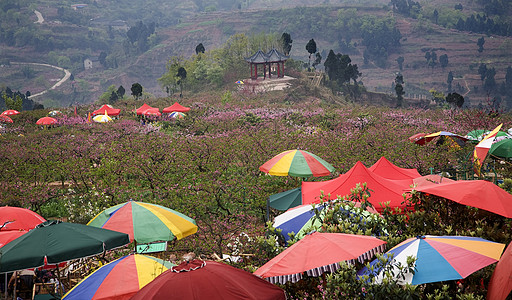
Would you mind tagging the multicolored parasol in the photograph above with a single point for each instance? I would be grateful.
(177, 115)
(298, 163)
(441, 258)
(145, 222)
(119, 279)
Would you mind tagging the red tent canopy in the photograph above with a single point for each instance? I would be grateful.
(432, 179)
(384, 190)
(386, 169)
(175, 107)
(142, 109)
(110, 111)
(476, 193)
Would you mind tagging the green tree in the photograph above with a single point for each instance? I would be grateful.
(182, 75)
(200, 48)
(15, 102)
(318, 60)
(113, 98)
(136, 90)
(455, 99)
(449, 81)
(443, 60)
(482, 70)
(427, 57)
(480, 43)
(286, 43)
(399, 89)
(400, 61)
(121, 91)
(311, 48)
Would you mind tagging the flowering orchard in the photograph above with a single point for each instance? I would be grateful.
(206, 165)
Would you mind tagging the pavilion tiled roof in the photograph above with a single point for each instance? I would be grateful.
(262, 57)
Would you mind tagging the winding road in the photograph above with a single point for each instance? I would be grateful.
(39, 16)
(67, 74)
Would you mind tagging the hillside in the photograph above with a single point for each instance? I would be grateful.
(195, 24)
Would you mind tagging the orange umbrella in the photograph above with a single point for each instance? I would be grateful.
(152, 112)
(46, 121)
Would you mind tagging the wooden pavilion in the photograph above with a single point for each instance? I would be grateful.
(273, 57)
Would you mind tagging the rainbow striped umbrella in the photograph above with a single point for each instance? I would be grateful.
(441, 258)
(145, 222)
(119, 279)
(177, 115)
(298, 163)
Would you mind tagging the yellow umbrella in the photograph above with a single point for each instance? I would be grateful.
(102, 119)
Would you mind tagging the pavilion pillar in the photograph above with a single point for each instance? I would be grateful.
(264, 71)
(255, 71)
(278, 70)
(282, 72)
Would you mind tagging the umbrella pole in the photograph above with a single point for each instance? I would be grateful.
(58, 281)
(268, 214)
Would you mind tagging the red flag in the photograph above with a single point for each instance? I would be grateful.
(482, 148)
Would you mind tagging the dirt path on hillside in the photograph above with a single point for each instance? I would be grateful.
(39, 16)
(67, 74)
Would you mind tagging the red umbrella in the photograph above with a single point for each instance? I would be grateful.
(210, 280)
(46, 121)
(476, 193)
(152, 112)
(418, 137)
(317, 253)
(17, 218)
(500, 285)
(10, 235)
(175, 107)
(10, 112)
(5, 119)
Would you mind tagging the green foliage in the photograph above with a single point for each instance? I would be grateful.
(15, 102)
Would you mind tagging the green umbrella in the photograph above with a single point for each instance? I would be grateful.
(286, 200)
(54, 242)
(479, 134)
(502, 149)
